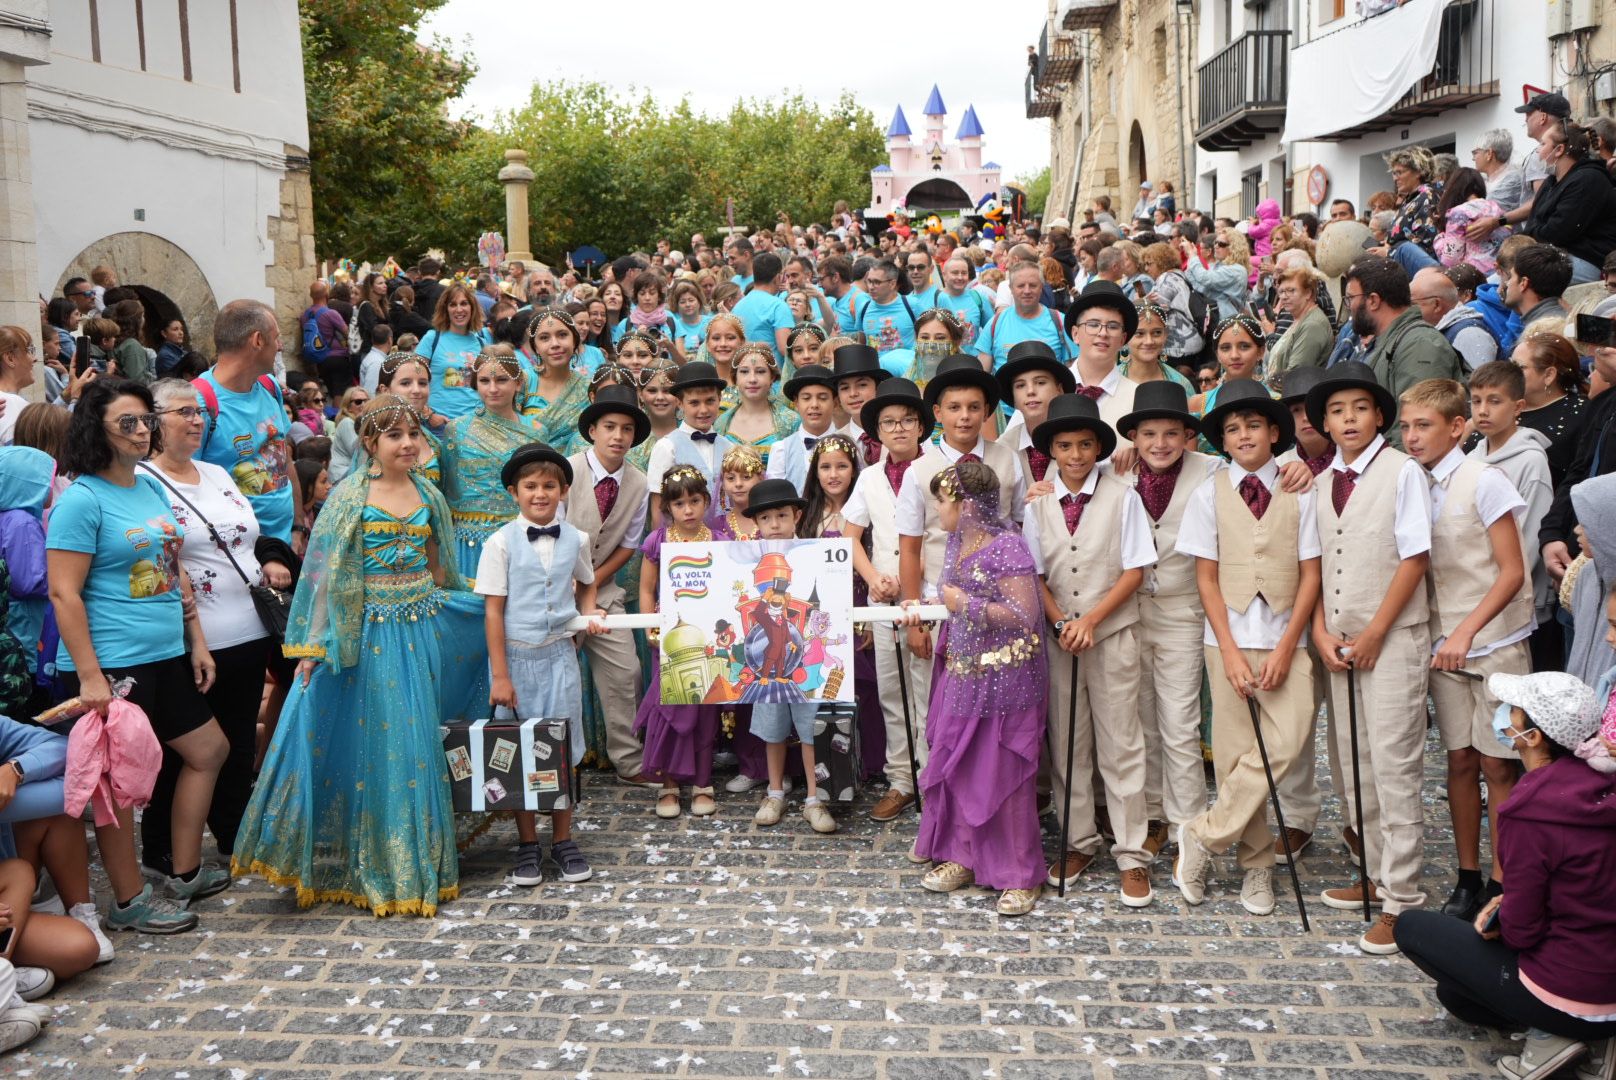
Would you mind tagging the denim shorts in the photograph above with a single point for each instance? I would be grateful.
(773, 721)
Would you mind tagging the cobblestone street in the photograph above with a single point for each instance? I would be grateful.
(712, 948)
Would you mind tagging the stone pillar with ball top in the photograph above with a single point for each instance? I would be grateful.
(516, 177)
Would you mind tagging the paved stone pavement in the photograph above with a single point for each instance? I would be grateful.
(713, 948)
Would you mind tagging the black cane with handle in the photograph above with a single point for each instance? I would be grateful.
(1357, 782)
(1279, 815)
(908, 725)
(1066, 813)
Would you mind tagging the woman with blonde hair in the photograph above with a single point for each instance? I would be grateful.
(1226, 280)
(1413, 171)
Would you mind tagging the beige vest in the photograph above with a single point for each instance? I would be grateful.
(1459, 577)
(605, 537)
(1001, 459)
(882, 503)
(1360, 550)
(1256, 557)
(1114, 407)
(1081, 567)
(1175, 573)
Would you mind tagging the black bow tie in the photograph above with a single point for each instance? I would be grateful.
(810, 441)
(536, 531)
(704, 436)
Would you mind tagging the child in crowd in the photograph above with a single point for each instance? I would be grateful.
(980, 823)
(858, 374)
(1162, 429)
(777, 509)
(535, 575)
(1091, 542)
(899, 414)
(1030, 379)
(1256, 555)
(678, 738)
(1497, 399)
(315, 484)
(607, 502)
(1372, 630)
(697, 385)
(1481, 597)
(812, 391)
(742, 470)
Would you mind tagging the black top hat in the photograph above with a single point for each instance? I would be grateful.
(1248, 395)
(1161, 399)
(697, 373)
(962, 370)
(771, 494)
(1028, 356)
(524, 456)
(1350, 375)
(809, 375)
(1074, 412)
(1554, 104)
(853, 360)
(615, 399)
(1298, 381)
(1107, 295)
(896, 392)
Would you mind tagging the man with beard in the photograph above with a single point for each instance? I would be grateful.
(1407, 350)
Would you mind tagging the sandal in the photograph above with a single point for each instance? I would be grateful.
(667, 803)
(701, 802)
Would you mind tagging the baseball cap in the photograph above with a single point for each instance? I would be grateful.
(1554, 104)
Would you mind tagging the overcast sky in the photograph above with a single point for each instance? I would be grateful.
(717, 50)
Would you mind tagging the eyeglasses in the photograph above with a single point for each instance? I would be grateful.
(184, 412)
(1095, 326)
(128, 422)
(1221, 243)
(317, 399)
(352, 402)
(1351, 298)
(1207, 380)
(907, 423)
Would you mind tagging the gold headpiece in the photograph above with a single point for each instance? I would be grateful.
(811, 329)
(681, 473)
(945, 316)
(395, 360)
(381, 417)
(560, 313)
(949, 484)
(755, 348)
(511, 365)
(743, 461)
(837, 441)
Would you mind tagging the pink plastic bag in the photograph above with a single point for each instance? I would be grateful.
(112, 762)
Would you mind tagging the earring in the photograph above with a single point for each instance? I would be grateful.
(374, 472)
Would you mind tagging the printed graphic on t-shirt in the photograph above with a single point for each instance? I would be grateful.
(260, 460)
(888, 336)
(157, 571)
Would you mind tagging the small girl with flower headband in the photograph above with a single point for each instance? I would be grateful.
(739, 473)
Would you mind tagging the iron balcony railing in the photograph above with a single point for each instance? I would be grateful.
(1241, 91)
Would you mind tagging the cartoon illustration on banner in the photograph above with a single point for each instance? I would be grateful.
(753, 621)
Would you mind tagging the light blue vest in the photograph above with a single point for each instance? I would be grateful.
(540, 602)
(685, 452)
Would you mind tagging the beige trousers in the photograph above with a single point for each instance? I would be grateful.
(616, 670)
(1170, 662)
(1299, 793)
(918, 673)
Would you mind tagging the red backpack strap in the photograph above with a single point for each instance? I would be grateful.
(270, 385)
(210, 397)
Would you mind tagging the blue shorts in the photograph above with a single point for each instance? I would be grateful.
(547, 686)
(773, 721)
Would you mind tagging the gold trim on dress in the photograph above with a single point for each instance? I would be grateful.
(1007, 655)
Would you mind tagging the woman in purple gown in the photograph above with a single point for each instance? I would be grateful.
(986, 721)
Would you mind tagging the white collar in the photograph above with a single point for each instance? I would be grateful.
(684, 426)
(1107, 385)
(1443, 470)
(1268, 474)
(1361, 463)
(1061, 490)
(530, 523)
(599, 470)
(980, 450)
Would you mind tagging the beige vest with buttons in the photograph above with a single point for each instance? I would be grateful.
(882, 503)
(1360, 548)
(1256, 557)
(1001, 459)
(1459, 577)
(1174, 573)
(605, 537)
(1081, 567)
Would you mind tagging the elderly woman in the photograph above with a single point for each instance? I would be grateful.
(1308, 341)
(112, 555)
(218, 553)
(1491, 156)
(1416, 225)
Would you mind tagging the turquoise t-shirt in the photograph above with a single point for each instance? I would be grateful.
(1009, 329)
(588, 362)
(450, 355)
(744, 282)
(762, 314)
(248, 440)
(974, 311)
(887, 326)
(690, 337)
(842, 306)
(132, 592)
(929, 297)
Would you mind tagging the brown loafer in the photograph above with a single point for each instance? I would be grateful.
(1069, 868)
(890, 805)
(1299, 842)
(1156, 837)
(640, 779)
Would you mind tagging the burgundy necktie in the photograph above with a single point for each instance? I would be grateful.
(1091, 392)
(1038, 462)
(872, 448)
(968, 457)
(1156, 488)
(1256, 495)
(1072, 507)
(606, 496)
(895, 471)
(1341, 487)
(1318, 464)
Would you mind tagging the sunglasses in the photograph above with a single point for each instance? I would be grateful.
(127, 423)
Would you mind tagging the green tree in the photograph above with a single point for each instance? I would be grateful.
(381, 145)
(1037, 188)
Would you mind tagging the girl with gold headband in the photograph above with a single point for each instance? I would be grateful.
(407, 375)
(739, 473)
(760, 417)
(1240, 346)
(353, 801)
(562, 394)
(803, 344)
(475, 449)
(1147, 359)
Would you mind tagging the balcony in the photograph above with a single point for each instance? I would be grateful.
(1086, 14)
(1241, 91)
(1041, 102)
(1462, 73)
(1057, 61)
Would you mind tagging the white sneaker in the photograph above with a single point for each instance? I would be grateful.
(51, 906)
(741, 782)
(18, 1027)
(90, 916)
(1257, 891)
(1193, 866)
(34, 983)
(41, 1013)
(725, 758)
(1542, 1055)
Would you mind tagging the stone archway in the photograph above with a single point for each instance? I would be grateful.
(142, 258)
(1138, 170)
(937, 194)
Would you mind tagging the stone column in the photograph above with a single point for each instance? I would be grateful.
(24, 42)
(516, 176)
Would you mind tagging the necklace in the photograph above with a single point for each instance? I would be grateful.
(703, 535)
(740, 526)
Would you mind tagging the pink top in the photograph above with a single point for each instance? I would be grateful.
(112, 761)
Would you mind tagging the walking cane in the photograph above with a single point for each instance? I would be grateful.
(908, 726)
(1357, 784)
(1279, 815)
(1066, 814)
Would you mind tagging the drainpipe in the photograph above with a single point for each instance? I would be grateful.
(1178, 56)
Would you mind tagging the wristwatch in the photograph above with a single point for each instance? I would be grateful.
(1060, 625)
(22, 777)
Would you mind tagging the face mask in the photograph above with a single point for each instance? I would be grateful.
(930, 354)
(1503, 720)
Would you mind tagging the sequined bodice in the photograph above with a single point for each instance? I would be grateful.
(396, 545)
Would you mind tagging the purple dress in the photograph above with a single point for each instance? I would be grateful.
(678, 738)
(985, 725)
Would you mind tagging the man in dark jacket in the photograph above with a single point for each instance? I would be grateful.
(1407, 350)
(1595, 442)
(1575, 209)
(428, 288)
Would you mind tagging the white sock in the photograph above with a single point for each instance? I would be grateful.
(773, 794)
(812, 800)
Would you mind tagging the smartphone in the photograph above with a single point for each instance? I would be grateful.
(5, 938)
(1139, 288)
(1595, 330)
(1491, 926)
(81, 355)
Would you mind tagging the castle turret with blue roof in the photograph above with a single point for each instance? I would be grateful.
(933, 172)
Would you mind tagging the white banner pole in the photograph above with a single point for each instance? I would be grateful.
(883, 613)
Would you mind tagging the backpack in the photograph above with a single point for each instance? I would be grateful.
(210, 399)
(316, 348)
(1204, 314)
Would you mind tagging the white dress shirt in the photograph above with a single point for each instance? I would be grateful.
(636, 524)
(1412, 523)
(661, 459)
(912, 501)
(788, 457)
(1138, 543)
(493, 564)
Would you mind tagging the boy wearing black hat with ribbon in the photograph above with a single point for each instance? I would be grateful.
(859, 374)
(1256, 553)
(1031, 378)
(694, 442)
(1162, 429)
(1102, 320)
(899, 414)
(1090, 539)
(812, 392)
(1372, 631)
(535, 575)
(610, 511)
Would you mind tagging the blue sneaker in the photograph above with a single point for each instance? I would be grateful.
(571, 861)
(150, 914)
(209, 880)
